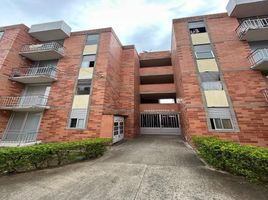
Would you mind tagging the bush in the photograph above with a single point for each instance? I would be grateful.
(19, 159)
(245, 160)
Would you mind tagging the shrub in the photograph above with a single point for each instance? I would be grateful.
(18, 159)
(245, 160)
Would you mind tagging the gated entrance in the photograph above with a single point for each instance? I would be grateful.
(165, 123)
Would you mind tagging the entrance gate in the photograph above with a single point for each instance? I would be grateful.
(164, 123)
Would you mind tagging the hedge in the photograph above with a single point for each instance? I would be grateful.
(20, 159)
(245, 160)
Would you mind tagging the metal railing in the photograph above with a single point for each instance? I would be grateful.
(251, 24)
(43, 47)
(19, 137)
(49, 71)
(265, 93)
(23, 101)
(258, 56)
(159, 120)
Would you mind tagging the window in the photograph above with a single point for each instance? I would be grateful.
(220, 119)
(77, 123)
(78, 118)
(1, 34)
(221, 124)
(83, 87)
(197, 27)
(88, 61)
(217, 85)
(73, 122)
(92, 39)
(203, 51)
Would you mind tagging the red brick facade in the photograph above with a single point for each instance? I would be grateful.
(243, 84)
(116, 87)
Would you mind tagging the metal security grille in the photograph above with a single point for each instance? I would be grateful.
(160, 123)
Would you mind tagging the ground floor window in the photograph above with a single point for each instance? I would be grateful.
(78, 118)
(221, 124)
(220, 119)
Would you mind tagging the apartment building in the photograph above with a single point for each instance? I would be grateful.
(58, 85)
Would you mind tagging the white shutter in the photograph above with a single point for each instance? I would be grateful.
(79, 113)
(212, 85)
(210, 76)
(197, 24)
(222, 113)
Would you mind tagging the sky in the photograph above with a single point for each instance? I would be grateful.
(144, 23)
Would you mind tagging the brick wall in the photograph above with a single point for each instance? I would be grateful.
(243, 84)
(10, 45)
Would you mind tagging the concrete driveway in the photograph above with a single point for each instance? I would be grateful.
(149, 167)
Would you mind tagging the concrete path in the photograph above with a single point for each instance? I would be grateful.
(151, 167)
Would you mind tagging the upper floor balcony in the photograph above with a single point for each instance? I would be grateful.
(265, 93)
(58, 30)
(24, 103)
(247, 8)
(34, 74)
(259, 59)
(44, 51)
(253, 29)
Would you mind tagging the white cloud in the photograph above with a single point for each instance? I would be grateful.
(129, 18)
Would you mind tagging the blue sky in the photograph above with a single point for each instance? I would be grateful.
(145, 23)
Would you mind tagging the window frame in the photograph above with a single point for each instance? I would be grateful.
(220, 129)
(83, 82)
(94, 43)
(83, 56)
(82, 126)
(211, 51)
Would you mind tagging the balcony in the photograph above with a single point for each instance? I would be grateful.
(24, 103)
(247, 8)
(45, 51)
(34, 74)
(18, 138)
(259, 59)
(58, 30)
(253, 30)
(265, 93)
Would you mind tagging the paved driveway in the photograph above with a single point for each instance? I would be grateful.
(151, 167)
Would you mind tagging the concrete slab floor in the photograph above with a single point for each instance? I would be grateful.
(149, 167)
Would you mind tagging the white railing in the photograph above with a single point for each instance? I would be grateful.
(43, 47)
(19, 137)
(251, 24)
(49, 71)
(265, 93)
(23, 101)
(258, 56)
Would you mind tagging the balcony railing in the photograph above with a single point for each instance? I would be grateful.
(34, 71)
(43, 47)
(252, 24)
(265, 93)
(23, 102)
(44, 51)
(258, 58)
(19, 137)
(34, 74)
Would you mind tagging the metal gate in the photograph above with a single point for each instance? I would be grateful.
(118, 131)
(160, 123)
